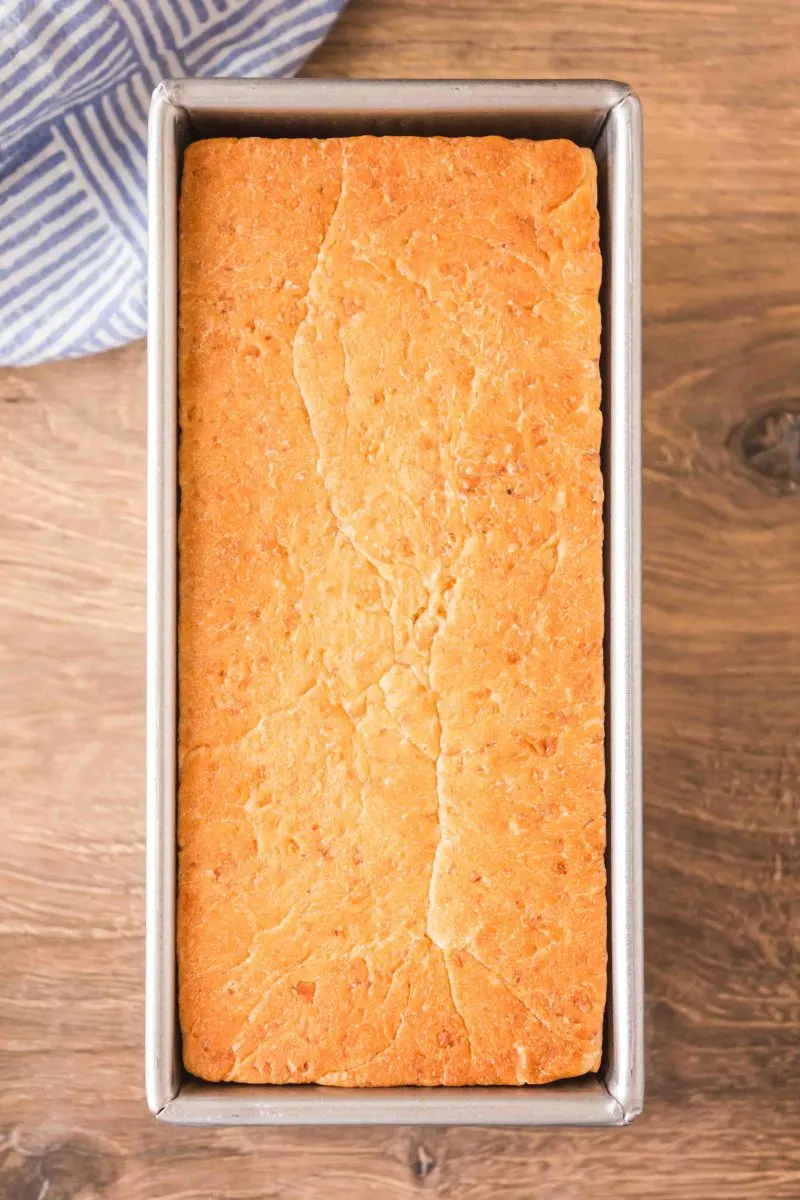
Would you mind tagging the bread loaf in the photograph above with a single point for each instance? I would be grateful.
(391, 735)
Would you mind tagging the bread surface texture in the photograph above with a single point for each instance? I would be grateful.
(391, 715)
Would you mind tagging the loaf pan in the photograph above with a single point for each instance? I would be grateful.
(606, 117)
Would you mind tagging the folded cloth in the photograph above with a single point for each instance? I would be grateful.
(75, 84)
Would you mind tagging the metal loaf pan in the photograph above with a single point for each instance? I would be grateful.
(606, 117)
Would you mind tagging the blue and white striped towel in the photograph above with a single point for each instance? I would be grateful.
(75, 84)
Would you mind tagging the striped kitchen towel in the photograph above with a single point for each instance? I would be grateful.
(75, 84)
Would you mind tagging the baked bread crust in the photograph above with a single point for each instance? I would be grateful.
(391, 801)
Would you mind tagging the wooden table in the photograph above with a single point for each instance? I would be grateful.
(719, 82)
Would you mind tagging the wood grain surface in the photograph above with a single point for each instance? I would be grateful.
(719, 83)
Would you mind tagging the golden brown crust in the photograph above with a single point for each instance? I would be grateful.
(391, 807)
